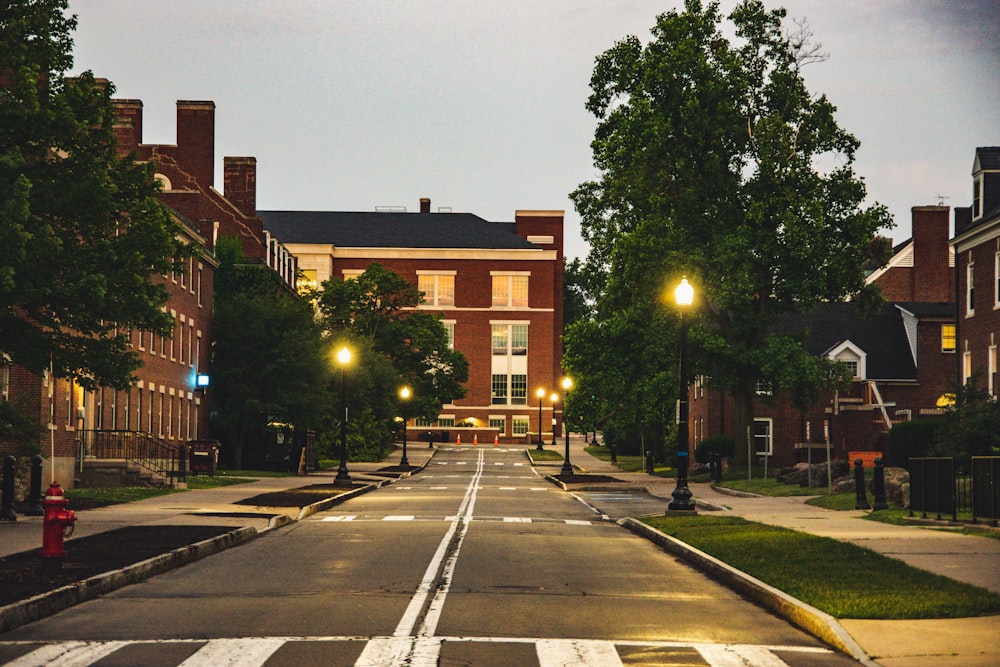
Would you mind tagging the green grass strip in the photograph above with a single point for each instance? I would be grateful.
(844, 580)
(545, 455)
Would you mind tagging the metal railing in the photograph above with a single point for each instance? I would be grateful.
(935, 487)
(146, 451)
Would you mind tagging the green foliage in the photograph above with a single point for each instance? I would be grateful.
(269, 359)
(722, 446)
(714, 162)
(972, 427)
(83, 232)
(395, 345)
(912, 439)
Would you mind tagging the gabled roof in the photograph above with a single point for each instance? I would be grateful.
(392, 230)
(882, 336)
(987, 159)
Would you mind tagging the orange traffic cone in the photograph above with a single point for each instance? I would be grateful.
(475, 438)
(458, 439)
(496, 440)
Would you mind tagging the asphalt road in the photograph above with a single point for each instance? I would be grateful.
(475, 561)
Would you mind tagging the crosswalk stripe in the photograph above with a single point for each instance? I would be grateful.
(247, 652)
(68, 654)
(516, 519)
(565, 652)
(399, 517)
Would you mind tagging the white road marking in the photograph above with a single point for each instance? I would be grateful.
(67, 654)
(399, 517)
(400, 651)
(350, 517)
(576, 653)
(251, 652)
(516, 519)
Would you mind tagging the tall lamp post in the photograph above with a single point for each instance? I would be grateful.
(684, 296)
(567, 467)
(540, 394)
(555, 399)
(404, 395)
(343, 359)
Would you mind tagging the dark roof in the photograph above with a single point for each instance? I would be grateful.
(989, 157)
(938, 311)
(882, 336)
(392, 230)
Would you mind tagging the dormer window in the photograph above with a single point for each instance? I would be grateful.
(851, 356)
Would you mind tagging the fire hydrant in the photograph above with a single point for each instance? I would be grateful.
(57, 525)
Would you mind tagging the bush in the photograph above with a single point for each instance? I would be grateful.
(912, 439)
(721, 445)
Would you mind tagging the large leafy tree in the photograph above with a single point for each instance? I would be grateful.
(378, 306)
(269, 357)
(717, 162)
(82, 233)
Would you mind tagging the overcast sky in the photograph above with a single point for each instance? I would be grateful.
(353, 104)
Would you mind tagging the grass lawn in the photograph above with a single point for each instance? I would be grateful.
(629, 462)
(770, 487)
(844, 580)
(115, 495)
(545, 454)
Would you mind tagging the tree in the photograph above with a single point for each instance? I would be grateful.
(378, 305)
(269, 359)
(972, 426)
(716, 162)
(82, 233)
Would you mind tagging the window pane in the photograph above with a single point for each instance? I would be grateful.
(947, 337)
(446, 422)
(499, 390)
(500, 290)
(426, 285)
(500, 424)
(519, 425)
(519, 389)
(449, 328)
(519, 291)
(519, 338)
(500, 338)
(446, 290)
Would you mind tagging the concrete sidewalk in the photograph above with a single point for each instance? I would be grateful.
(913, 643)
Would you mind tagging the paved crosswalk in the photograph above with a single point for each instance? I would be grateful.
(493, 519)
(412, 651)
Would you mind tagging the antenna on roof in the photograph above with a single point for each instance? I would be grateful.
(941, 199)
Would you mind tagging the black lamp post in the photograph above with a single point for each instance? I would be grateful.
(684, 296)
(567, 467)
(343, 359)
(404, 395)
(540, 394)
(555, 399)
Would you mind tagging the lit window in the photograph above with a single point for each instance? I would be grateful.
(510, 291)
(499, 423)
(438, 288)
(519, 425)
(306, 280)
(947, 337)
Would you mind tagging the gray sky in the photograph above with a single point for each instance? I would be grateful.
(353, 104)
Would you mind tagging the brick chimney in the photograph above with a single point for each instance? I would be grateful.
(196, 140)
(239, 175)
(425, 205)
(932, 275)
(128, 125)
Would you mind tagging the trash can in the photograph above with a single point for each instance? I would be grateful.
(203, 456)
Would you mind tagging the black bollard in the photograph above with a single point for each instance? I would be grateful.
(715, 467)
(35, 489)
(879, 502)
(7, 490)
(861, 503)
(614, 454)
(649, 461)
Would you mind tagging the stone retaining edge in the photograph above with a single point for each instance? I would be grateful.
(817, 623)
(20, 613)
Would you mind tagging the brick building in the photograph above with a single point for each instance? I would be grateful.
(977, 251)
(902, 357)
(498, 287)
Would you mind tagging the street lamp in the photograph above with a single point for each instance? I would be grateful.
(555, 399)
(567, 467)
(343, 359)
(684, 296)
(404, 395)
(540, 394)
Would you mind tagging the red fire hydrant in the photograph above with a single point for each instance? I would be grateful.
(57, 525)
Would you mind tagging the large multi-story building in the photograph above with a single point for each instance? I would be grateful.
(497, 285)
(977, 252)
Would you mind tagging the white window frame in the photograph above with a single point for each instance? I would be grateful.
(768, 437)
(508, 301)
(499, 422)
(432, 298)
(848, 351)
(970, 289)
(519, 422)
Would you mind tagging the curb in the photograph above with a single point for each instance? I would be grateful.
(819, 624)
(26, 611)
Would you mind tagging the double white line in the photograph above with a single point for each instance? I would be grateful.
(413, 641)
